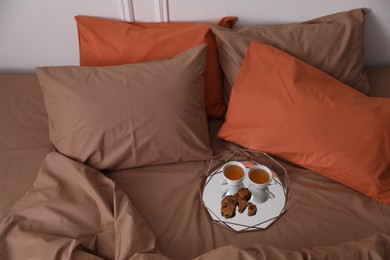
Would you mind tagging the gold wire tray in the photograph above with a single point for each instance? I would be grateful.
(267, 212)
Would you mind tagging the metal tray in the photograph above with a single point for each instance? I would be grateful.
(267, 212)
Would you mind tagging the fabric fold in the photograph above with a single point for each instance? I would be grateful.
(74, 212)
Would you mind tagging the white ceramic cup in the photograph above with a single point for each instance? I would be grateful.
(233, 176)
(260, 177)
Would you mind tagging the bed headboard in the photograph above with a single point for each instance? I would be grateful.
(43, 32)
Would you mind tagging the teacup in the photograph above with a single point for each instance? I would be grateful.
(233, 176)
(260, 178)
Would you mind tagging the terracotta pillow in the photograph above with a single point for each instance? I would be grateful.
(106, 42)
(288, 108)
(130, 115)
(332, 43)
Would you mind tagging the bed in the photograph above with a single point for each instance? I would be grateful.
(108, 160)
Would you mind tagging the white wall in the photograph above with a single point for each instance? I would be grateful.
(43, 32)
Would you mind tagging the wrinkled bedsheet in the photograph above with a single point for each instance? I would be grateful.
(75, 212)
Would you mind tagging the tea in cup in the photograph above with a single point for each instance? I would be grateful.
(233, 176)
(260, 177)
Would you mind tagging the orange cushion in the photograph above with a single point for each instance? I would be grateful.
(285, 107)
(105, 42)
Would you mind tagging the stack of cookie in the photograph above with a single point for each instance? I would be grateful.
(239, 200)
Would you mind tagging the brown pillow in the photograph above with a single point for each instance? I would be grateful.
(126, 116)
(379, 78)
(332, 43)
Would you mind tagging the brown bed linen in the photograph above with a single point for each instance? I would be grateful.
(379, 78)
(24, 137)
(350, 250)
(324, 218)
(73, 211)
(321, 212)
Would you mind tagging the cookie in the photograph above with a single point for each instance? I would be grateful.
(252, 209)
(229, 199)
(239, 200)
(228, 210)
(228, 206)
(244, 193)
(242, 205)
